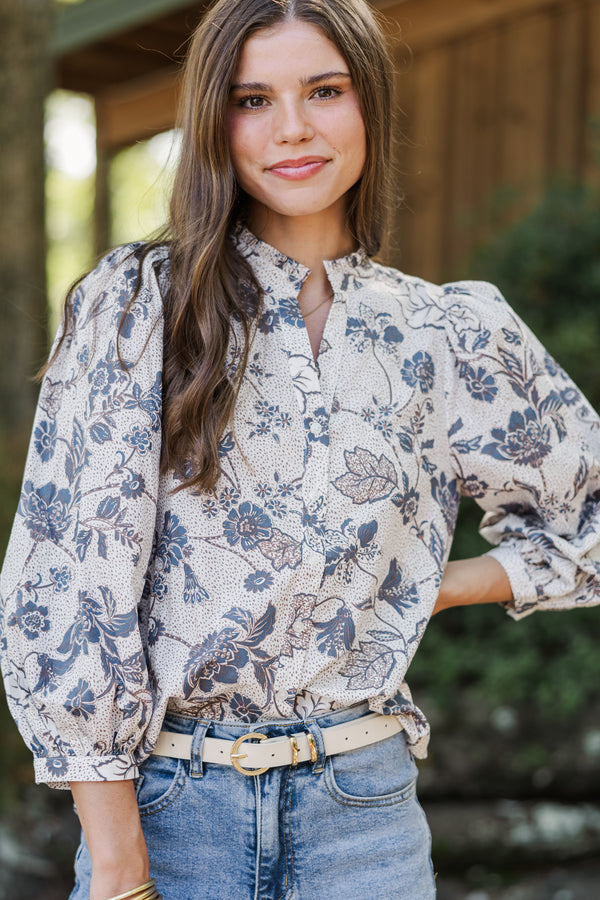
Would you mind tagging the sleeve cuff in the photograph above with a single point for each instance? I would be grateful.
(58, 771)
(525, 597)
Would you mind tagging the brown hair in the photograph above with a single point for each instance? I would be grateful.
(210, 281)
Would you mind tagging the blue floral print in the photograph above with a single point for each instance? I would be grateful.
(259, 581)
(419, 371)
(330, 525)
(526, 441)
(337, 634)
(133, 487)
(244, 709)
(139, 438)
(171, 543)
(31, 619)
(193, 592)
(80, 701)
(480, 384)
(45, 511)
(45, 440)
(61, 578)
(247, 524)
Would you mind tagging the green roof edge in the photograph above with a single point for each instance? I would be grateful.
(85, 23)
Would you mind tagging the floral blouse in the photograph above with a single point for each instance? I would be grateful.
(306, 580)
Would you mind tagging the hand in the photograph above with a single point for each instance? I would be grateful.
(469, 581)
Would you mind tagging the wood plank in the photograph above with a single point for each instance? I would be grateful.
(396, 245)
(565, 140)
(427, 23)
(103, 65)
(591, 125)
(474, 162)
(138, 110)
(102, 206)
(428, 188)
(525, 103)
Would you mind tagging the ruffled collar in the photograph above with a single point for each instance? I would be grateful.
(357, 263)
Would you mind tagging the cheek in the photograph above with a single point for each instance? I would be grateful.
(243, 148)
(359, 136)
(355, 146)
(347, 135)
(235, 147)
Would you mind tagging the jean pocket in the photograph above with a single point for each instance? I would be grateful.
(159, 783)
(382, 774)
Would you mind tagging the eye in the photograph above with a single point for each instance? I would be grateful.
(326, 93)
(252, 102)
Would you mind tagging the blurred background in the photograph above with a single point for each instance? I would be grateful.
(498, 177)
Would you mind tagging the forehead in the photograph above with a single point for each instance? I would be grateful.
(293, 48)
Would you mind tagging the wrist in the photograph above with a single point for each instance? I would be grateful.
(105, 885)
(145, 891)
(118, 872)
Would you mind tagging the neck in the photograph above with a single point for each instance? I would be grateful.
(307, 239)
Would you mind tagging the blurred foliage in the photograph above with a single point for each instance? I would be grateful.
(548, 266)
(140, 178)
(139, 185)
(69, 205)
(70, 162)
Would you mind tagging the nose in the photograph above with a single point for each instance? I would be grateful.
(292, 123)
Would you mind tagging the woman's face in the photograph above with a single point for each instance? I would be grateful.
(296, 133)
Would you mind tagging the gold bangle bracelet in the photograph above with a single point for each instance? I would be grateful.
(145, 891)
(150, 894)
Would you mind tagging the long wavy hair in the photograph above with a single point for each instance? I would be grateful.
(211, 283)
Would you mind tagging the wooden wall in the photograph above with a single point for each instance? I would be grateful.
(496, 97)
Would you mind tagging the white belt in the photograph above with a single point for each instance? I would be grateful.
(280, 751)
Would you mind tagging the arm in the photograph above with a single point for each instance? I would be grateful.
(72, 652)
(110, 819)
(469, 581)
(526, 447)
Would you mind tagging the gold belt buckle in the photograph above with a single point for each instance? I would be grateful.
(234, 755)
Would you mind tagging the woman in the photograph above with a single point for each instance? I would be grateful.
(268, 565)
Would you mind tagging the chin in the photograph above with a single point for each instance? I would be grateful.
(298, 209)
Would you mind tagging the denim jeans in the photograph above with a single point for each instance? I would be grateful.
(347, 827)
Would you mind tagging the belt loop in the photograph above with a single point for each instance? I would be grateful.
(317, 735)
(196, 749)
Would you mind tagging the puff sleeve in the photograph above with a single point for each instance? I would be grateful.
(72, 654)
(525, 445)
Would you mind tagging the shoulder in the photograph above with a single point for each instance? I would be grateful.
(131, 270)
(471, 313)
(123, 293)
(115, 312)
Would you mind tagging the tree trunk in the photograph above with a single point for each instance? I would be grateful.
(25, 27)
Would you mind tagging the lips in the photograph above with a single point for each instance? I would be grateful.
(296, 169)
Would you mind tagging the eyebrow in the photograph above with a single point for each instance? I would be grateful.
(305, 82)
